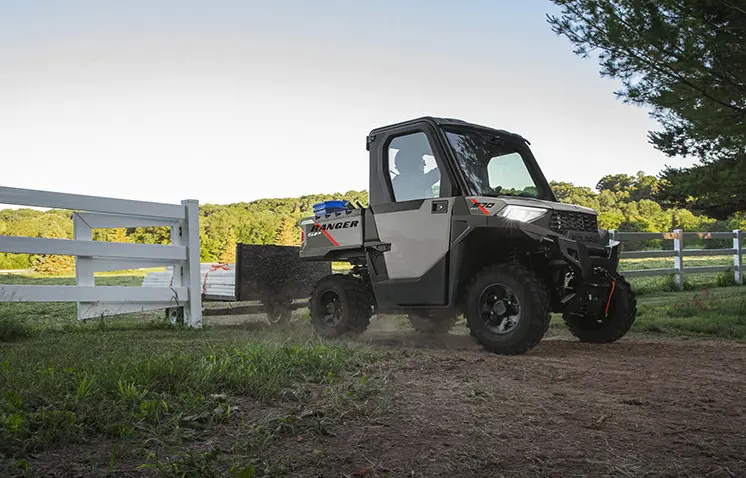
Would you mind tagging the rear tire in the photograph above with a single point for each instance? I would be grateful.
(340, 304)
(432, 323)
(507, 309)
(604, 330)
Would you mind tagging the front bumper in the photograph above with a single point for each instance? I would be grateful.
(583, 258)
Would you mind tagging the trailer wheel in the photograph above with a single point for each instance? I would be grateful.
(507, 309)
(278, 313)
(607, 328)
(340, 304)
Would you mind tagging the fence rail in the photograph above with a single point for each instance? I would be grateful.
(90, 212)
(679, 253)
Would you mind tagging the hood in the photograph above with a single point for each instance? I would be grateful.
(493, 205)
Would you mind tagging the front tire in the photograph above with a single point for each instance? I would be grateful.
(507, 309)
(607, 328)
(340, 304)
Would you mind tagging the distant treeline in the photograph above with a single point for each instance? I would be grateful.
(624, 203)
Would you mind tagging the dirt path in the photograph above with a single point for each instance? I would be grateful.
(635, 408)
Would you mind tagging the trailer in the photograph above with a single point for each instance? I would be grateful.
(266, 279)
(274, 279)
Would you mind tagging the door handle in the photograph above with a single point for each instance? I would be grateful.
(439, 207)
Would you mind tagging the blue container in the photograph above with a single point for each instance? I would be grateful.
(328, 207)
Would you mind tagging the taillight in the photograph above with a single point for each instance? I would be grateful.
(302, 235)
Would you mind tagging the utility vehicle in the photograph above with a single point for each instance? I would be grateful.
(462, 220)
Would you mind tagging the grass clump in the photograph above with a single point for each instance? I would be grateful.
(727, 278)
(12, 329)
(701, 314)
(121, 392)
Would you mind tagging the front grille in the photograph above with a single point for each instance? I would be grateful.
(563, 221)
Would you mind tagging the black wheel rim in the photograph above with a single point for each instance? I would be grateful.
(331, 308)
(499, 308)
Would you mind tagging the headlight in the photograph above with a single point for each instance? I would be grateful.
(522, 213)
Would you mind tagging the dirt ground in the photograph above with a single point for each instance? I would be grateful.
(639, 407)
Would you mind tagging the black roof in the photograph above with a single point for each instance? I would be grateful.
(436, 121)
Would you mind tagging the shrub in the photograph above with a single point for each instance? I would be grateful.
(669, 284)
(53, 265)
(726, 279)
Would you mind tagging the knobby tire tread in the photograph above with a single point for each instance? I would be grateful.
(618, 326)
(358, 303)
(538, 296)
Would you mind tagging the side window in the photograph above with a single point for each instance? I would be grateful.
(412, 167)
(508, 175)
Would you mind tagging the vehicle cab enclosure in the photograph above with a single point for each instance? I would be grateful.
(448, 198)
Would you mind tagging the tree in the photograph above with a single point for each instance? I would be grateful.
(118, 235)
(150, 235)
(645, 187)
(53, 265)
(229, 251)
(111, 235)
(615, 183)
(571, 194)
(686, 59)
(289, 234)
(715, 189)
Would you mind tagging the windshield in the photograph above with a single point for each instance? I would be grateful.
(493, 166)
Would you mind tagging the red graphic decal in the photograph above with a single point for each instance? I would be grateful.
(608, 302)
(326, 234)
(213, 268)
(481, 208)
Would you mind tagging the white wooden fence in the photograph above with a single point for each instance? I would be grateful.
(96, 256)
(218, 280)
(678, 253)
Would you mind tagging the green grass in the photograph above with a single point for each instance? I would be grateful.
(21, 319)
(139, 375)
(647, 285)
(702, 313)
(141, 378)
(167, 383)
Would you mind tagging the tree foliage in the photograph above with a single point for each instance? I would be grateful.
(53, 265)
(289, 233)
(686, 59)
(229, 250)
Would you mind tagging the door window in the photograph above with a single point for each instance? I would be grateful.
(412, 167)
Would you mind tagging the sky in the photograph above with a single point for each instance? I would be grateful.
(231, 101)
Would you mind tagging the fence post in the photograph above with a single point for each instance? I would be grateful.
(178, 238)
(678, 247)
(191, 278)
(83, 265)
(737, 257)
